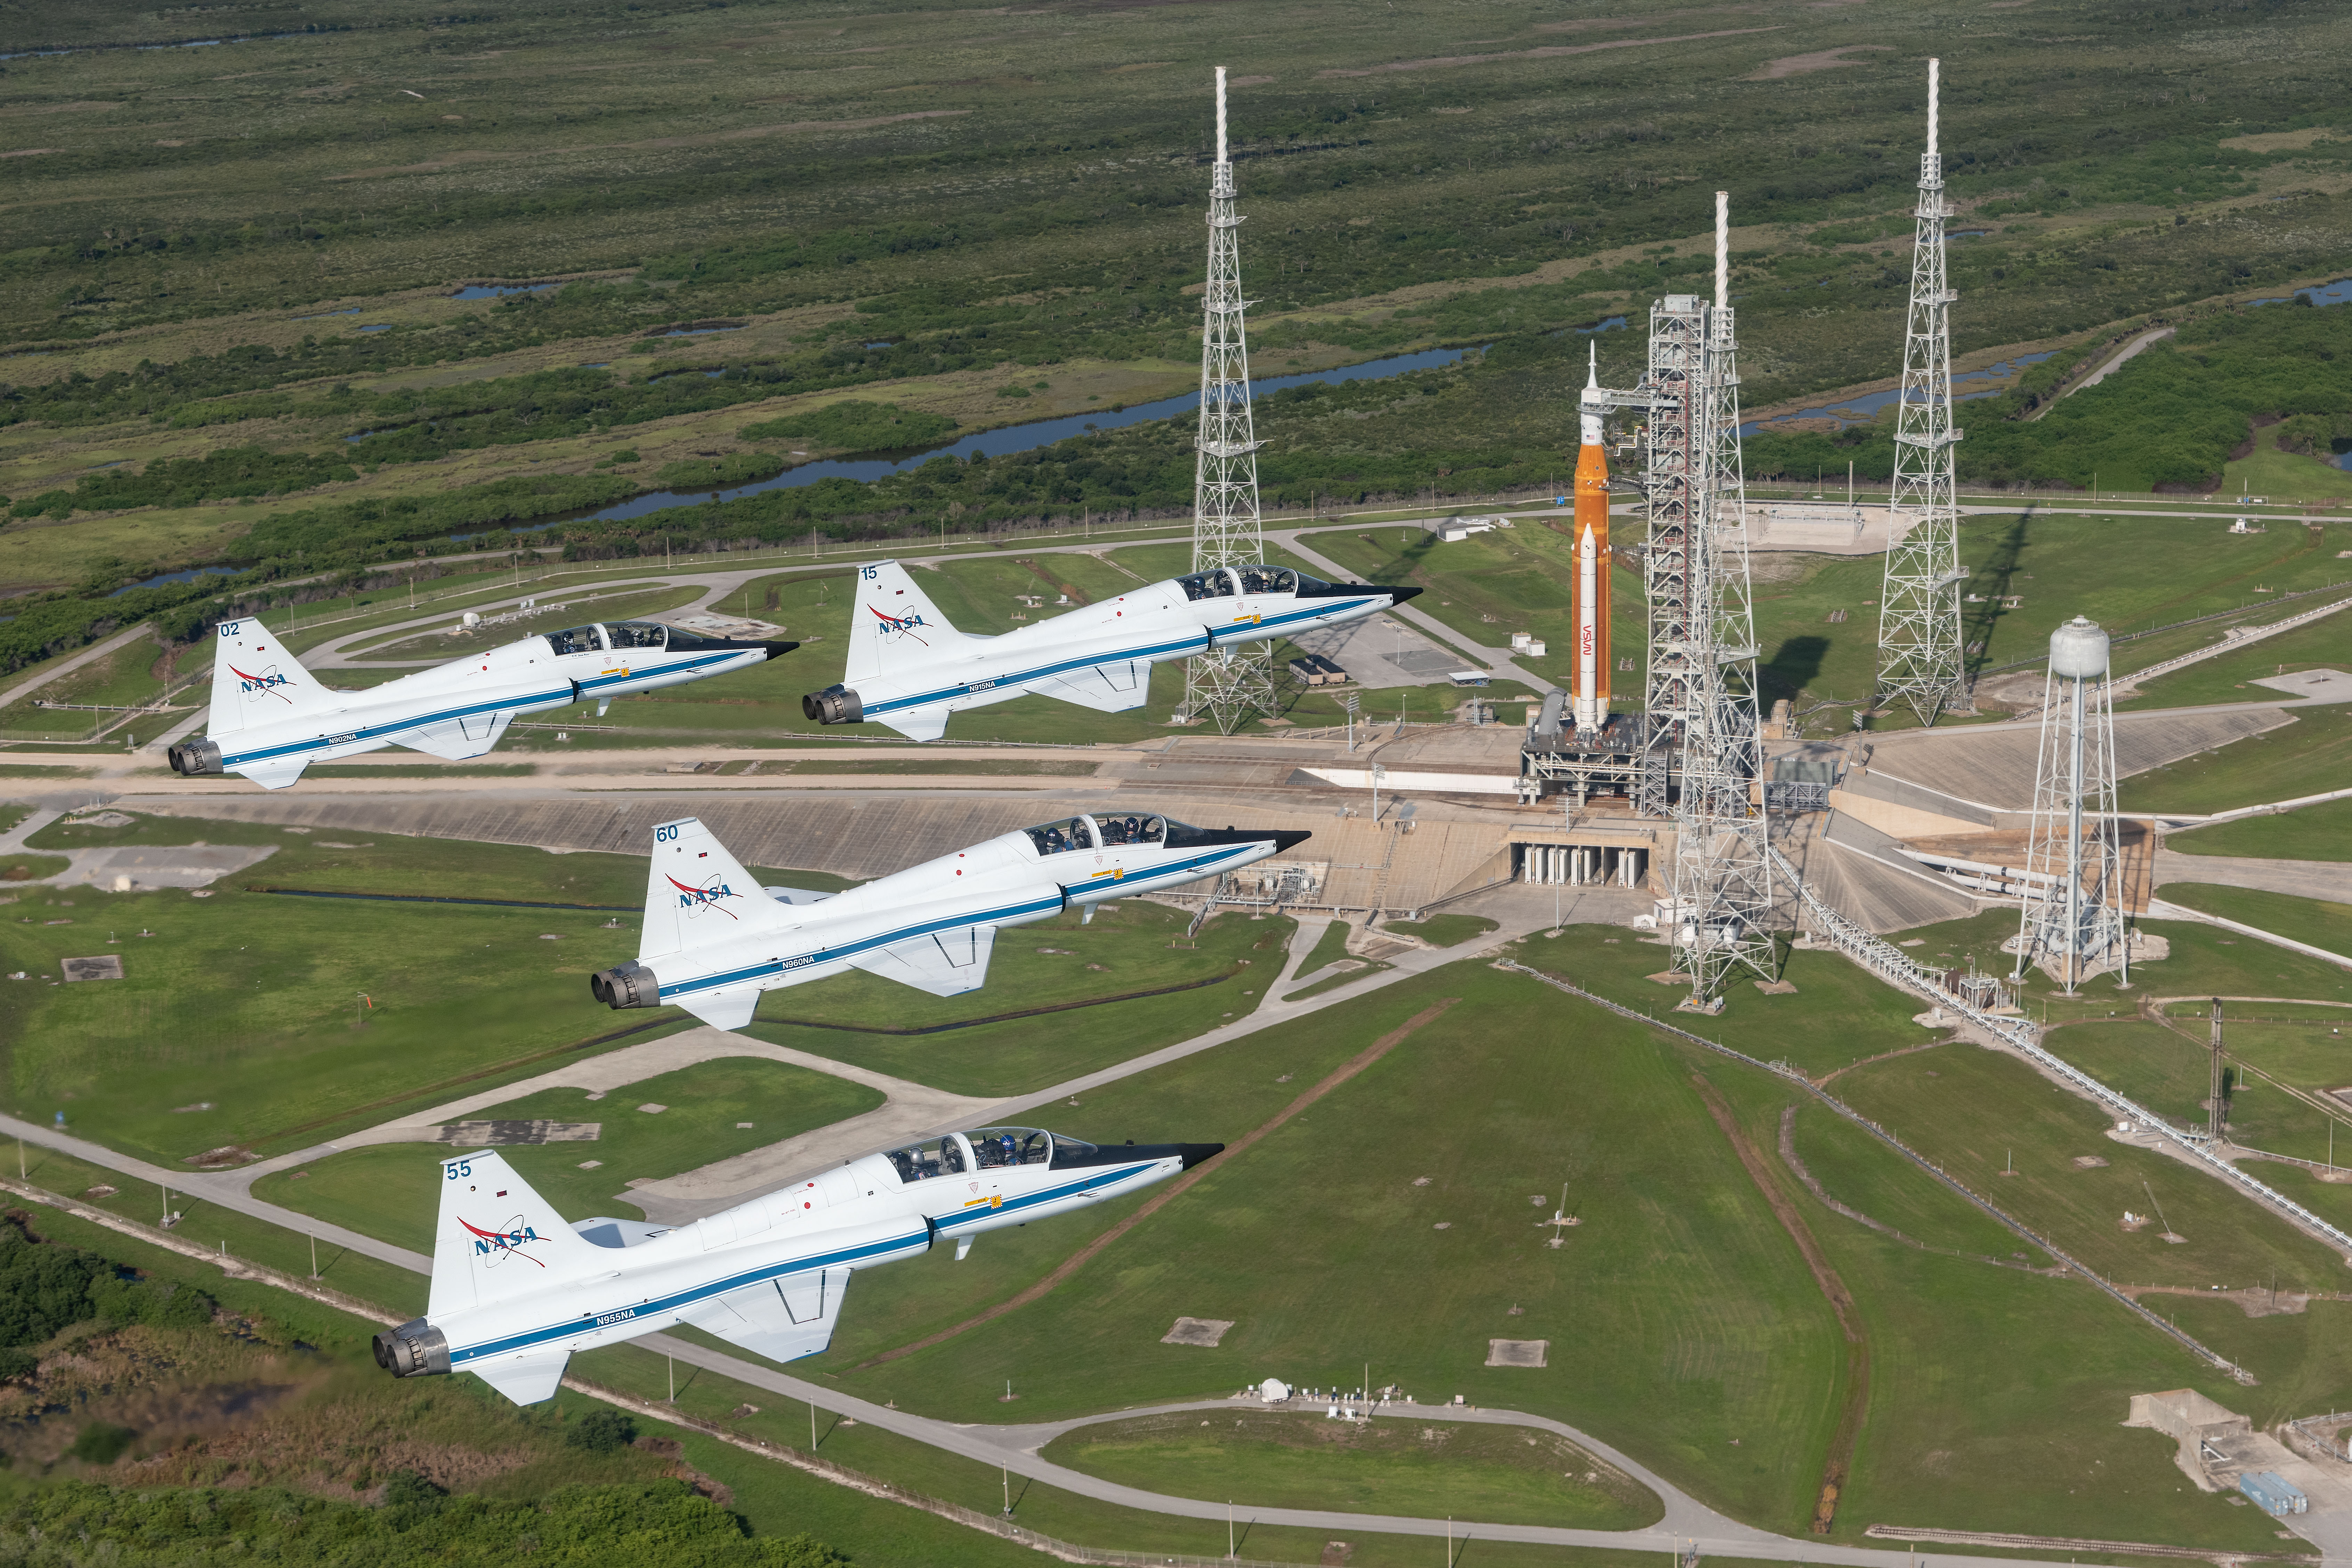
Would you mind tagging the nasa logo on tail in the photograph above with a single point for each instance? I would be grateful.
(495, 1247)
(694, 900)
(899, 626)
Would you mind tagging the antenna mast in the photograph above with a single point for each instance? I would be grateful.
(1234, 683)
(1920, 659)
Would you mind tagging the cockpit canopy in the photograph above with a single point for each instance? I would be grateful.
(1116, 831)
(985, 1149)
(616, 635)
(1225, 581)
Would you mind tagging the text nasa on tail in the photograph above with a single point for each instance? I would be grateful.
(517, 1289)
(271, 718)
(714, 939)
(908, 669)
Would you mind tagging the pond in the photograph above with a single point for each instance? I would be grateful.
(497, 290)
(2334, 293)
(188, 576)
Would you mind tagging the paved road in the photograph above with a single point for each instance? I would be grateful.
(24, 688)
(2320, 879)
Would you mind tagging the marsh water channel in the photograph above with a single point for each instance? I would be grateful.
(1002, 441)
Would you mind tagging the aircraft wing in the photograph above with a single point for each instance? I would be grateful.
(455, 740)
(945, 962)
(1109, 687)
(781, 1319)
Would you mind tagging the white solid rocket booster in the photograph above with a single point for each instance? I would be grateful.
(1588, 713)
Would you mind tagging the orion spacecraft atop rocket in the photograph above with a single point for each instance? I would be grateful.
(1589, 599)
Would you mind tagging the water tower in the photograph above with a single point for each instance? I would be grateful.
(2073, 922)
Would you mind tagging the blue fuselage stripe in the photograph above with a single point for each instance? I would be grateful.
(1186, 870)
(849, 1256)
(1209, 635)
(523, 703)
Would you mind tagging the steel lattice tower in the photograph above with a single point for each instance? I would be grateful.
(1722, 874)
(1675, 489)
(1920, 652)
(1231, 685)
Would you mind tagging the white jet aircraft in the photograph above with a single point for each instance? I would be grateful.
(271, 718)
(908, 669)
(714, 939)
(516, 1290)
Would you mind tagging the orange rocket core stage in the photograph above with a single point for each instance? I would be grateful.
(1593, 511)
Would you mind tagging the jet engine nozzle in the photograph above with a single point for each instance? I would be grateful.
(415, 1349)
(194, 758)
(630, 984)
(834, 705)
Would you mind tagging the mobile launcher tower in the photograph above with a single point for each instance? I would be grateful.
(1694, 752)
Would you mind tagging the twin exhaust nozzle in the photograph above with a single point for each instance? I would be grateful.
(834, 705)
(195, 759)
(629, 984)
(415, 1349)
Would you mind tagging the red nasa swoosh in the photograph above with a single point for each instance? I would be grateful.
(497, 1237)
(263, 682)
(703, 894)
(906, 627)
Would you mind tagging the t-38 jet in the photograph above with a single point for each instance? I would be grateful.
(271, 718)
(516, 1290)
(714, 939)
(908, 669)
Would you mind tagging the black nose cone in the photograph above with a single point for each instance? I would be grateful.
(1399, 596)
(1291, 838)
(778, 649)
(1194, 1153)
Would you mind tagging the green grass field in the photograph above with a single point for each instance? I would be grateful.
(1444, 930)
(1401, 1464)
(388, 1190)
(2231, 676)
(2320, 923)
(2309, 756)
(2321, 832)
(1870, 1017)
(1130, 947)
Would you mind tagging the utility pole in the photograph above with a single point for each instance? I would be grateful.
(1230, 685)
(1920, 659)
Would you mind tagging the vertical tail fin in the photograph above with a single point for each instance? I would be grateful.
(895, 625)
(697, 892)
(257, 680)
(498, 1238)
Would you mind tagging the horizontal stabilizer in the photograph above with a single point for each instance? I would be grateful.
(797, 895)
(526, 1380)
(277, 773)
(945, 963)
(730, 1009)
(455, 740)
(783, 1319)
(916, 724)
(1112, 687)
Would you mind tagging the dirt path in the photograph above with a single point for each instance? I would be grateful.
(1078, 1260)
(1838, 1463)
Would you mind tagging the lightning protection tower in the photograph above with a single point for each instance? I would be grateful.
(1231, 685)
(2072, 922)
(1723, 880)
(1920, 652)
